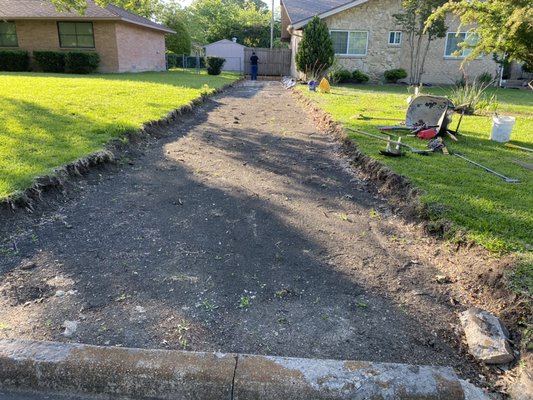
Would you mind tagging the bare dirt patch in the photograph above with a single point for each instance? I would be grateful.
(243, 230)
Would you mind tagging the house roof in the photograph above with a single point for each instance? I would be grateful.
(44, 9)
(301, 11)
(225, 41)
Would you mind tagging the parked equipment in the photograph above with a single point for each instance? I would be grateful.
(425, 113)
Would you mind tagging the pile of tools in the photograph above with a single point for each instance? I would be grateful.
(427, 118)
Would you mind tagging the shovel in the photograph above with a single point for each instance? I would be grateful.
(397, 143)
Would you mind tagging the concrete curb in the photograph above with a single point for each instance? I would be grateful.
(176, 375)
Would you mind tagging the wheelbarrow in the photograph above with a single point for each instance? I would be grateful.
(427, 117)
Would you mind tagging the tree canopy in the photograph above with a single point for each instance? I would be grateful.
(504, 27)
(247, 20)
(419, 37)
(145, 8)
(173, 16)
(204, 21)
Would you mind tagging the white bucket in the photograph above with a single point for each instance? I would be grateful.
(502, 128)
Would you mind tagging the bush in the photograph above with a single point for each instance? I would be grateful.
(214, 65)
(315, 53)
(394, 75)
(359, 77)
(172, 60)
(485, 78)
(50, 61)
(81, 62)
(14, 60)
(340, 76)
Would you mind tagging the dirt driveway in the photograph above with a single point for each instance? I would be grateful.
(243, 230)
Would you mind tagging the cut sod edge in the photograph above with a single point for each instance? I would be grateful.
(28, 198)
(400, 191)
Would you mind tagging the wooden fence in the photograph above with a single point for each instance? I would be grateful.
(272, 62)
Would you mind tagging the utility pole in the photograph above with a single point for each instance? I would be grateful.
(272, 27)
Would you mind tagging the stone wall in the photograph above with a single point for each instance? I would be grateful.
(377, 18)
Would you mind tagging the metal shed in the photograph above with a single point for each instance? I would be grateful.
(232, 51)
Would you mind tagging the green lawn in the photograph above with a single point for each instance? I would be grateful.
(495, 214)
(48, 120)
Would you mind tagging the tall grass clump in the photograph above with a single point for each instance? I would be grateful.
(474, 98)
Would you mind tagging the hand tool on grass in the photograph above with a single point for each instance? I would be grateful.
(389, 151)
(514, 146)
(367, 118)
(505, 178)
(523, 164)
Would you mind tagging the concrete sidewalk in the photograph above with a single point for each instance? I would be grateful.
(163, 374)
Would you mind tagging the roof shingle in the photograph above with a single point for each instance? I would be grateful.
(299, 10)
(45, 9)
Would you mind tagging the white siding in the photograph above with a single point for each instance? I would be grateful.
(232, 52)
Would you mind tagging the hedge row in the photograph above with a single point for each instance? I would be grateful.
(50, 61)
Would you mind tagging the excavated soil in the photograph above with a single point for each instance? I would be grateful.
(243, 229)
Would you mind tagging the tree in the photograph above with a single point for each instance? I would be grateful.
(173, 16)
(145, 8)
(504, 27)
(419, 37)
(212, 20)
(315, 53)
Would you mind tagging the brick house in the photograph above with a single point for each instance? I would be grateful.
(125, 42)
(367, 37)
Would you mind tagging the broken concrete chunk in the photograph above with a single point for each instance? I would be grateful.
(486, 336)
(70, 328)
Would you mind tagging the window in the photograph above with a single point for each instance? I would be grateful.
(8, 34)
(352, 43)
(453, 41)
(76, 34)
(395, 38)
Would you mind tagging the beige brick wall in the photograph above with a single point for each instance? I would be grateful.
(376, 17)
(43, 35)
(140, 49)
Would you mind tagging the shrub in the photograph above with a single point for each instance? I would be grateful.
(14, 60)
(359, 77)
(81, 62)
(394, 75)
(172, 59)
(527, 68)
(485, 78)
(315, 52)
(50, 61)
(214, 65)
(340, 76)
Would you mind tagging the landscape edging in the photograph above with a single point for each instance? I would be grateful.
(27, 198)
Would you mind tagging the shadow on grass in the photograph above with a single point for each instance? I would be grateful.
(42, 140)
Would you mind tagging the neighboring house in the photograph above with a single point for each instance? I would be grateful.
(125, 42)
(367, 37)
(232, 51)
